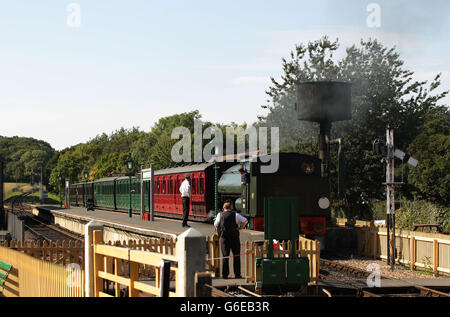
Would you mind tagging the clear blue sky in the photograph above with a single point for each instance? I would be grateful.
(133, 62)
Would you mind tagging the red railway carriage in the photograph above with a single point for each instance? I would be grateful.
(167, 197)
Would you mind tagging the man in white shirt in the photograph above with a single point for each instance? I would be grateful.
(185, 190)
(228, 224)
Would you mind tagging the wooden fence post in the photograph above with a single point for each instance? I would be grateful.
(97, 238)
(412, 256)
(435, 257)
(88, 256)
(134, 277)
(375, 244)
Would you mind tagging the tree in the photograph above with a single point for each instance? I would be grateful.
(431, 177)
(23, 154)
(383, 93)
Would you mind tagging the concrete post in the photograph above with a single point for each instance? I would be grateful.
(191, 259)
(88, 256)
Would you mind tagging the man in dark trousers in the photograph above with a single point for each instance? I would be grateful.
(185, 190)
(228, 223)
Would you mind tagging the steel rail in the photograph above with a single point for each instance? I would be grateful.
(423, 291)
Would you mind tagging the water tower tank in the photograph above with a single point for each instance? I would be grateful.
(325, 101)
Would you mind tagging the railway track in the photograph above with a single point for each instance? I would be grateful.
(37, 228)
(48, 232)
(352, 276)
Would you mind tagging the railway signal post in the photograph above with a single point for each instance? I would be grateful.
(390, 196)
(60, 179)
(390, 153)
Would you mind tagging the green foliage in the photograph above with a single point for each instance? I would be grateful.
(160, 138)
(107, 154)
(431, 178)
(422, 212)
(383, 93)
(100, 156)
(412, 212)
(21, 155)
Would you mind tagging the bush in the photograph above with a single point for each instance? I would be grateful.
(422, 212)
(412, 212)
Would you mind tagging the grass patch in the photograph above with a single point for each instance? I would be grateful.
(33, 199)
(12, 188)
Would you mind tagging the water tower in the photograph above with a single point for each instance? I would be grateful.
(324, 102)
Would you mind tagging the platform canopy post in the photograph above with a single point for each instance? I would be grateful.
(148, 175)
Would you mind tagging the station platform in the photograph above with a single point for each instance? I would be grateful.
(119, 226)
(160, 227)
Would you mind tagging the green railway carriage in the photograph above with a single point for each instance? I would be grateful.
(104, 190)
(122, 194)
(79, 193)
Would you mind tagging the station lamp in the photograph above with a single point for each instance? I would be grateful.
(129, 164)
(86, 175)
(60, 193)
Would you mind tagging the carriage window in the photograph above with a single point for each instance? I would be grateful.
(195, 183)
(202, 185)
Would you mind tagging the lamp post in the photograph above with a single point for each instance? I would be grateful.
(86, 175)
(129, 163)
(60, 194)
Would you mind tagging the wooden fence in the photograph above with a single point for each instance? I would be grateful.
(168, 246)
(304, 248)
(213, 255)
(429, 251)
(56, 252)
(109, 261)
(71, 254)
(158, 245)
(32, 277)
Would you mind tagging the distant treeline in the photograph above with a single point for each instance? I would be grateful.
(22, 155)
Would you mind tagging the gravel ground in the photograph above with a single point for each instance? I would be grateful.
(400, 272)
